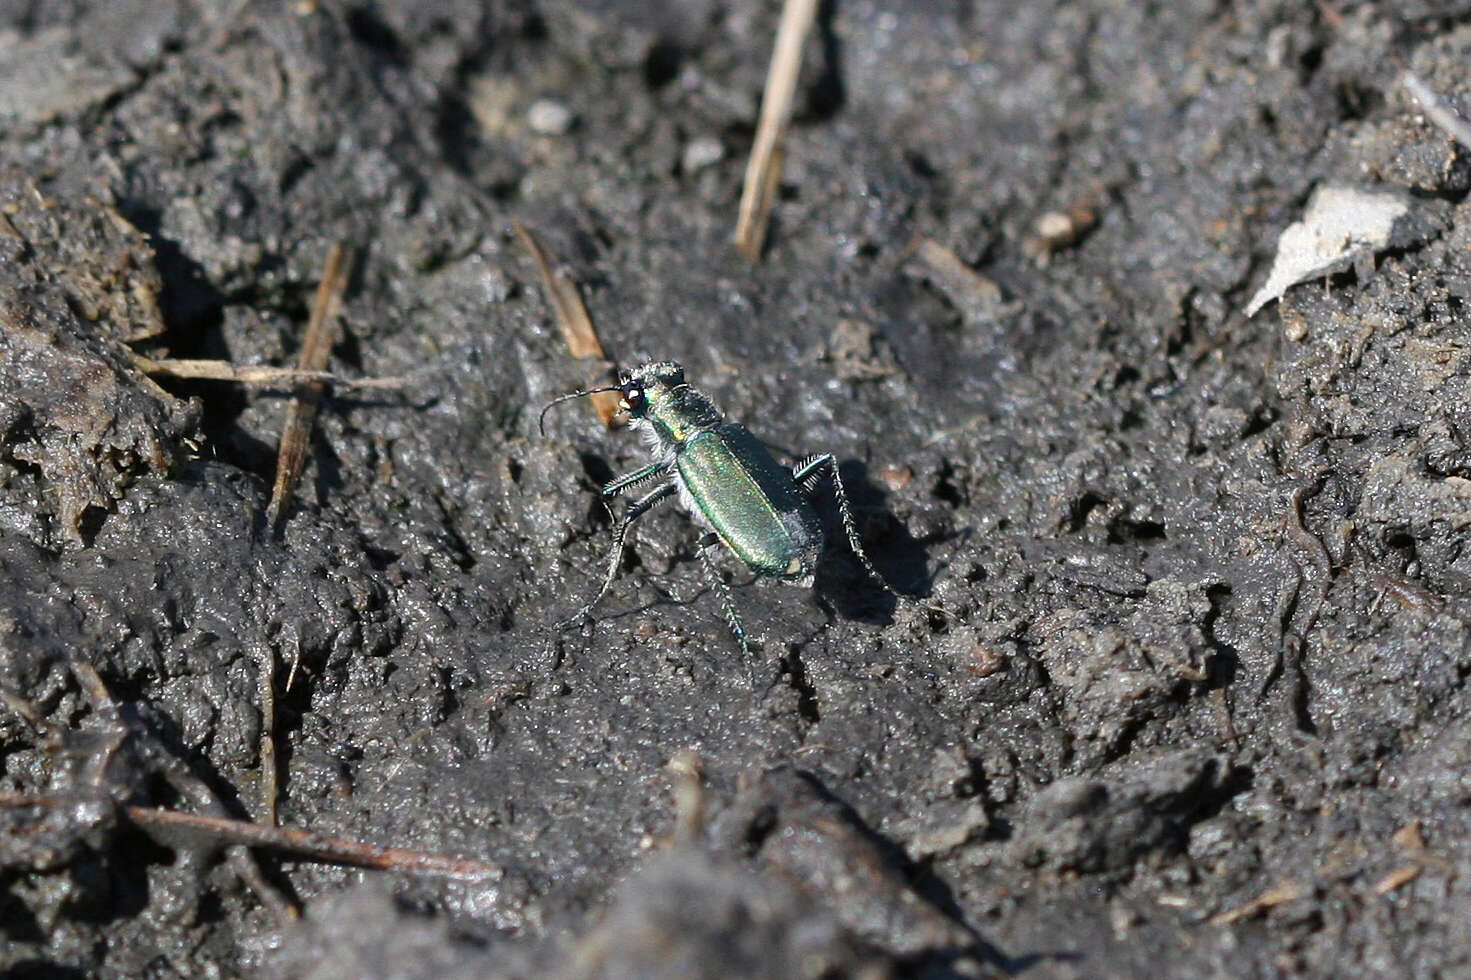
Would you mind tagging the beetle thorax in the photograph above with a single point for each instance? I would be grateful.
(674, 415)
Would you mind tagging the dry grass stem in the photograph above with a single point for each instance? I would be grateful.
(308, 844)
(1279, 894)
(572, 317)
(270, 770)
(1438, 111)
(763, 169)
(260, 376)
(689, 797)
(302, 412)
(176, 826)
(1397, 879)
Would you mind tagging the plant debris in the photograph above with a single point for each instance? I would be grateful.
(1342, 227)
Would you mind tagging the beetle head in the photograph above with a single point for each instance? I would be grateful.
(644, 392)
(648, 386)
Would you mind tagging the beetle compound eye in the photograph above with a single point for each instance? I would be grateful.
(634, 396)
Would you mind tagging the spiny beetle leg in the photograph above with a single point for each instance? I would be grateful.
(615, 554)
(809, 469)
(621, 483)
(722, 589)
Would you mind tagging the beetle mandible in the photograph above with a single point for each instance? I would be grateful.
(727, 480)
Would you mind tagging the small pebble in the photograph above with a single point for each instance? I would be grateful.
(1056, 230)
(549, 117)
(983, 661)
(896, 478)
(702, 152)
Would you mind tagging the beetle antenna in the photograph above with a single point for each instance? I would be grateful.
(541, 420)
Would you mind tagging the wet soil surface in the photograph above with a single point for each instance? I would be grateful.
(1197, 702)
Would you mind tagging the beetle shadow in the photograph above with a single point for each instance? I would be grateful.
(700, 608)
(901, 559)
(841, 586)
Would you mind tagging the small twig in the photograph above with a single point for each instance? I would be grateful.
(1295, 613)
(309, 844)
(315, 347)
(763, 169)
(1406, 594)
(976, 297)
(26, 711)
(572, 317)
(565, 298)
(91, 683)
(262, 376)
(18, 801)
(1397, 879)
(270, 774)
(1279, 894)
(178, 776)
(1223, 716)
(689, 797)
(1295, 527)
(298, 843)
(1409, 840)
(1438, 111)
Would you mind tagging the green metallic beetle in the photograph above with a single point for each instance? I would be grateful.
(727, 480)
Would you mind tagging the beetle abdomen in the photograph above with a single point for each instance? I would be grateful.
(751, 502)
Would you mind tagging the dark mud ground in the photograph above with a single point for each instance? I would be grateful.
(1202, 706)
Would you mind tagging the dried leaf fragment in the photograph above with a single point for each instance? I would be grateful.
(1341, 227)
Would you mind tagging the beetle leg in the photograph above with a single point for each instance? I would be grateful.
(806, 472)
(722, 589)
(809, 469)
(615, 554)
(621, 483)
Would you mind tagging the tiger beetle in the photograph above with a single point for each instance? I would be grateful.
(727, 480)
